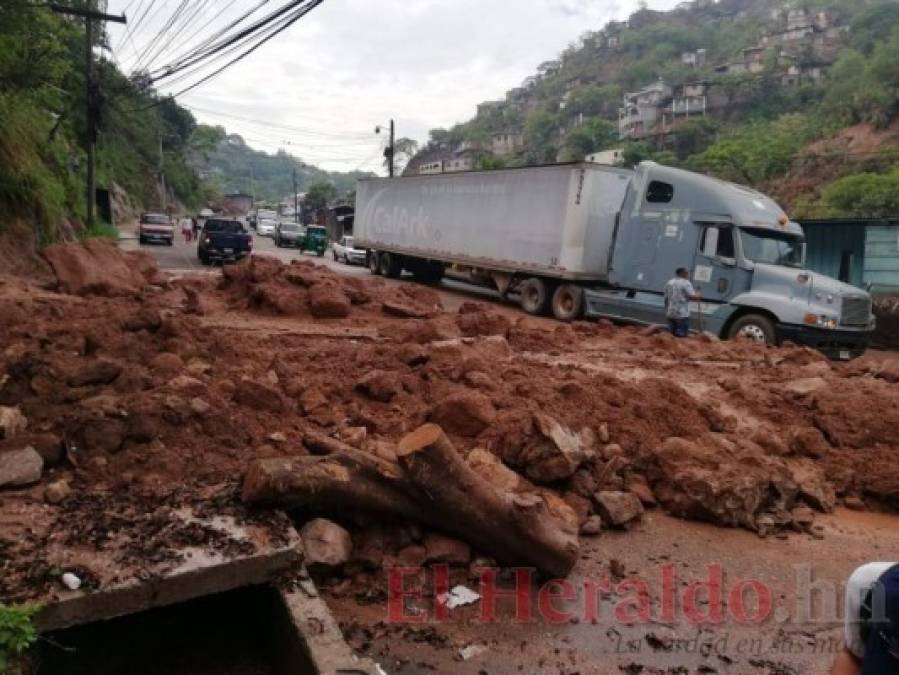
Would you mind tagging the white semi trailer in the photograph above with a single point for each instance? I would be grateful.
(588, 240)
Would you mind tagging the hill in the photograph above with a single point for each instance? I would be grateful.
(747, 90)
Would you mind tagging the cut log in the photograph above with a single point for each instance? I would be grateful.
(430, 483)
(514, 529)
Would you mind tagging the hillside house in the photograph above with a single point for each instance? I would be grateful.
(696, 58)
(611, 157)
(506, 142)
(642, 110)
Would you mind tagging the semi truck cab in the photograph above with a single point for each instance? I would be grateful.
(746, 257)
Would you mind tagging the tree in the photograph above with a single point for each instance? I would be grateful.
(540, 131)
(404, 149)
(594, 134)
(866, 194)
(320, 194)
(490, 162)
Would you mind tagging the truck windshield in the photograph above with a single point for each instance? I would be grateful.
(775, 248)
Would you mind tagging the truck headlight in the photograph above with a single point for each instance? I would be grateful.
(821, 321)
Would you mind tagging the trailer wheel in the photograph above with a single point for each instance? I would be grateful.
(754, 327)
(389, 265)
(374, 262)
(534, 296)
(568, 302)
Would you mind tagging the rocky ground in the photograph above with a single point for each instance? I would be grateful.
(126, 396)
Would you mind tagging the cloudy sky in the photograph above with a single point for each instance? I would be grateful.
(320, 87)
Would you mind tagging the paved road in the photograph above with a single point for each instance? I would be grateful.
(182, 259)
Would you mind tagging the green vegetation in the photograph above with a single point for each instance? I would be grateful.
(320, 195)
(865, 194)
(571, 108)
(17, 632)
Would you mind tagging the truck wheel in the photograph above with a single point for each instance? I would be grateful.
(568, 302)
(534, 296)
(374, 262)
(389, 265)
(754, 327)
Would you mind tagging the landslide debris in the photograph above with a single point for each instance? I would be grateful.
(125, 388)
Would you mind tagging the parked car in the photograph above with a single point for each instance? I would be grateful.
(315, 240)
(343, 250)
(266, 227)
(156, 227)
(223, 240)
(289, 234)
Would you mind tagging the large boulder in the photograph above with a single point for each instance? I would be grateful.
(20, 467)
(98, 267)
(732, 483)
(554, 453)
(12, 422)
(618, 509)
(325, 544)
(464, 414)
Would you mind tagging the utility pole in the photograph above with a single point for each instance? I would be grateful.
(389, 150)
(391, 147)
(92, 97)
(165, 198)
(296, 214)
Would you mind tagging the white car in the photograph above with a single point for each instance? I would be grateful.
(266, 227)
(343, 250)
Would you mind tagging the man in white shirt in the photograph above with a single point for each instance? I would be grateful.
(678, 293)
(871, 631)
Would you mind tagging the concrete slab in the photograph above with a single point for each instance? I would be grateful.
(203, 571)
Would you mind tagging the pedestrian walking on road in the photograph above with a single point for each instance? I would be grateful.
(678, 293)
(187, 228)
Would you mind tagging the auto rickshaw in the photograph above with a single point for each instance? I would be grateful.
(315, 239)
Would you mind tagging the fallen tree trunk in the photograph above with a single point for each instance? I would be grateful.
(431, 484)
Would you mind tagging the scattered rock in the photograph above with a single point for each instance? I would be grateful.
(380, 385)
(637, 485)
(354, 436)
(259, 396)
(187, 384)
(476, 319)
(277, 437)
(618, 508)
(327, 301)
(12, 422)
(580, 505)
(406, 310)
(145, 318)
(413, 354)
(803, 517)
(413, 555)
(469, 652)
(490, 468)
(854, 503)
(592, 526)
(326, 544)
(555, 454)
(199, 406)
(20, 467)
(312, 399)
(464, 414)
(57, 492)
(654, 329)
(809, 442)
(442, 549)
(98, 372)
(167, 363)
(49, 446)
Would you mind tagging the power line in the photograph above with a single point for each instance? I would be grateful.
(286, 127)
(152, 43)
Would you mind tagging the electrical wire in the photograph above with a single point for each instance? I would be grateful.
(167, 26)
(286, 127)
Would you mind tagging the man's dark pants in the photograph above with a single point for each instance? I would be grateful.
(679, 327)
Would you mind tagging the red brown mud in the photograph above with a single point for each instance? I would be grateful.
(144, 393)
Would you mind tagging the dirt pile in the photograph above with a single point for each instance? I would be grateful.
(99, 267)
(184, 385)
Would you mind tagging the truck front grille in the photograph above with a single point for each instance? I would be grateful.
(856, 311)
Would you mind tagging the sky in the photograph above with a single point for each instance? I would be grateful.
(319, 89)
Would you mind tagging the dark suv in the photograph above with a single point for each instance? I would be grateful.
(223, 240)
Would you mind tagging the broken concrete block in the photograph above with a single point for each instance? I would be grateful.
(326, 544)
(617, 508)
(20, 467)
(12, 422)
